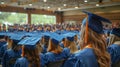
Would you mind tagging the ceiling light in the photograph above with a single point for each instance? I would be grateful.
(76, 7)
(30, 4)
(48, 7)
(97, 5)
(2, 2)
(85, 1)
(64, 4)
(44, 0)
(59, 9)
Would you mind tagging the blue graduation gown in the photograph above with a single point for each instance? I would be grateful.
(2, 51)
(23, 62)
(83, 58)
(9, 55)
(2, 43)
(52, 57)
(42, 62)
(114, 51)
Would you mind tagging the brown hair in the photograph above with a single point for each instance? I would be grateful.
(98, 45)
(113, 39)
(71, 45)
(39, 46)
(32, 56)
(54, 47)
(10, 42)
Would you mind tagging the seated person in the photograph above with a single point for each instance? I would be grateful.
(93, 47)
(114, 48)
(30, 55)
(55, 52)
(12, 54)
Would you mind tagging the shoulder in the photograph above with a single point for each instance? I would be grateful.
(66, 50)
(86, 51)
(9, 51)
(113, 47)
(48, 54)
(21, 62)
(22, 59)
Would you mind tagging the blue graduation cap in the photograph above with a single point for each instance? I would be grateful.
(46, 35)
(95, 22)
(56, 38)
(70, 36)
(2, 34)
(16, 38)
(29, 42)
(115, 31)
(9, 34)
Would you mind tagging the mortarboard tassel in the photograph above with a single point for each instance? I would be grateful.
(23, 53)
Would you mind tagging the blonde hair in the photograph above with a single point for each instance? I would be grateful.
(54, 47)
(113, 39)
(98, 45)
(72, 46)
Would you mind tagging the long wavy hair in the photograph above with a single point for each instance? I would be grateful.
(39, 46)
(54, 47)
(33, 56)
(98, 45)
(113, 39)
(71, 45)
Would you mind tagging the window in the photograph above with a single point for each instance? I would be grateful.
(11, 18)
(43, 19)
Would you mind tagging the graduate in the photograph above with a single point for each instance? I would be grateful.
(2, 40)
(46, 37)
(12, 54)
(93, 47)
(5, 46)
(30, 55)
(2, 43)
(55, 52)
(114, 48)
(70, 42)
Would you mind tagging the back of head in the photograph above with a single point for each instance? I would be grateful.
(30, 51)
(92, 34)
(33, 56)
(114, 36)
(54, 47)
(72, 46)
